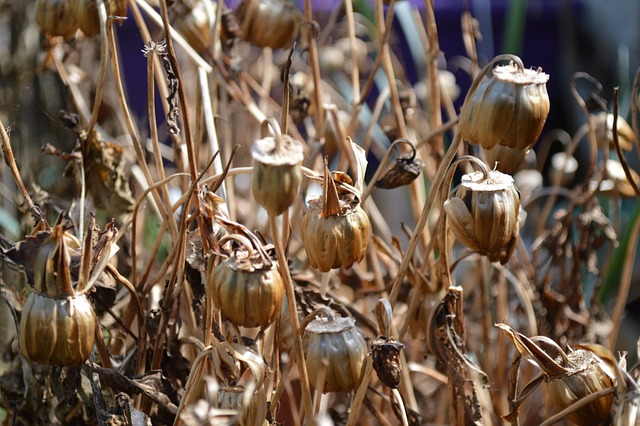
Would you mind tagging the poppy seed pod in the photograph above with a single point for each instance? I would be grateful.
(508, 109)
(277, 172)
(483, 213)
(86, 13)
(505, 159)
(55, 18)
(335, 230)
(269, 23)
(57, 324)
(247, 288)
(336, 343)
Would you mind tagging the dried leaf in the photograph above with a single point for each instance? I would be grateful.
(361, 165)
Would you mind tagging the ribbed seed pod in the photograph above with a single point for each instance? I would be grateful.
(86, 13)
(603, 124)
(57, 324)
(508, 109)
(247, 287)
(57, 332)
(505, 159)
(269, 23)
(55, 18)
(336, 343)
(335, 230)
(194, 20)
(569, 377)
(483, 213)
(277, 171)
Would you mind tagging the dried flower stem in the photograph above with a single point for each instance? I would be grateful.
(10, 161)
(576, 405)
(102, 73)
(355, 72)
(360, 393)
(315, 66)
(293, 316)
(432, 53)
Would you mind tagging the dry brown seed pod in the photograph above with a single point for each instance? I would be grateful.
(86, 13)
(336, 343)
(57, 324)
(247, 286)
(405, 170)
(385, 353)
(569, 377)
(194, 20)
(269, 23)
(57, 332)
(508, 109)
(483, 213)
(603, 123)
(335, 229)
(277, 170)
(55, 18)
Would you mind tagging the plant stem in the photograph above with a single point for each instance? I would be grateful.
(293, 316)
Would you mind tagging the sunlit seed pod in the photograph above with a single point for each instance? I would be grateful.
(277, 172)
(585, 374)
(563, 168)
(57, 332)
(603, 126)
(483, 213)
(194, 20)
(55, 18)
(335, 347)
(86, 13)
(269, 23)
(509, 109)
(247, 296)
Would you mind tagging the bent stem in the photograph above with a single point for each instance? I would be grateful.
(293, 316)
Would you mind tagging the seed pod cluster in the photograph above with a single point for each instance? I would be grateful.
(269, 23)
(335, 229)
(277, 162)
(57, 324)
(54, 17)
(483, 213)
(336, 343)
(247, 286)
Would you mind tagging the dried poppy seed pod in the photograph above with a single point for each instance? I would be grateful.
(269, 23)
(277, 171)
(86, 13)
(337, 342)
(603, 124)
(247, 287)
(57, 324)
(483, 213)
(405, 170)
(508, 109)
(195, 20)
(54, 17)
(335, 230)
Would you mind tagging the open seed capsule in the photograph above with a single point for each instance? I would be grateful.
(483, 213)
(336, 343)
(335, 229)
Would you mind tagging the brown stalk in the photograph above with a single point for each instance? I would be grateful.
(432, 54)
(314, 63)
(102, 73)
